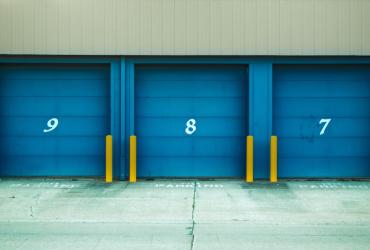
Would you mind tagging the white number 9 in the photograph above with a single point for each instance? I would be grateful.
(52, 124)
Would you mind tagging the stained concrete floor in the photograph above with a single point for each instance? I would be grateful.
(183, 214)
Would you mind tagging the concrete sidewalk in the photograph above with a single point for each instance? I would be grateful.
(182, 214)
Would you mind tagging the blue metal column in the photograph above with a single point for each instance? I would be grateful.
(260, 115)
(122, 111)
(129, 113)
(115, 76)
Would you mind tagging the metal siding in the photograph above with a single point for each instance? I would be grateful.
(31, 95)
(303, 95)
(185, 27)
(167, 97)
(366, 27)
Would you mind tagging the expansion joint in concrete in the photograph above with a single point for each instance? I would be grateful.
(31, 211)
(192, 216)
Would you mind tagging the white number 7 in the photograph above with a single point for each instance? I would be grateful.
(326, 121)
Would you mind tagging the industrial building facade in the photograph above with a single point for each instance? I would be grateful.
(190, 79)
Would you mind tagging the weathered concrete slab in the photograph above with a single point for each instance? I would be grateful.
(94, 201)
(70, 235)
(183, 214)
(217, 236)
(286, 203)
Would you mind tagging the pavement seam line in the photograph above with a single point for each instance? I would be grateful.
(192, 216)
(31, 211)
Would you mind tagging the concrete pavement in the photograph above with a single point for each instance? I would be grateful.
(183, 214)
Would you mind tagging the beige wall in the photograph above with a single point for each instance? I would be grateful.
(185, 27)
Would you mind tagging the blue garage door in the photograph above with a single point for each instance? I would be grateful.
(322, 119)
(170, 99)
(53, 119)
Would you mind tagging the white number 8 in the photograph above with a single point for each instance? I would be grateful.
(190, 127)
(52, 124)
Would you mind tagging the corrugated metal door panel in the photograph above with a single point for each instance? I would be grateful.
(167, 96)
(31, 95)
(305, 94)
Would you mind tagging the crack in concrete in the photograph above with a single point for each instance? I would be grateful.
(192, 216)
(37, 197)
(31, 210)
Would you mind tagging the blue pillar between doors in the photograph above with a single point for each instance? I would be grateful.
(128, 101)
(115, 86)
(260, 115)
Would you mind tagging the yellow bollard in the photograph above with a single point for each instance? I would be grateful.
(273, 159)
(249, 170)
(133, 155)
(108, 159)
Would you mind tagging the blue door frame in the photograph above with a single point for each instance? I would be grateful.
(122, 72)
